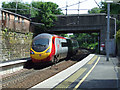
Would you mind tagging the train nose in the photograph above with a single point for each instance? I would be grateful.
(31, 52)
(40, 56)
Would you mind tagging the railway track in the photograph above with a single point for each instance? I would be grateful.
(30, 76)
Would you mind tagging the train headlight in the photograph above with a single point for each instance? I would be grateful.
(31, 52)
(48, 51)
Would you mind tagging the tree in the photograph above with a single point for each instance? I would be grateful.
(87, 40)
(114, 8)
(11, 6)
(47, 13)
(94, 10)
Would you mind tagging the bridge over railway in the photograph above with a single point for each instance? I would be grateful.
(85, 23)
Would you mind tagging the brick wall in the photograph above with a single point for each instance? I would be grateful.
(15, 23)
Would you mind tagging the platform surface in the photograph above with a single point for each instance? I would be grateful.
(92, 73)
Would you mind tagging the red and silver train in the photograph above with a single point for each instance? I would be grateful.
(49, 47)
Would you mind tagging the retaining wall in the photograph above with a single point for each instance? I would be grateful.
(14, 45)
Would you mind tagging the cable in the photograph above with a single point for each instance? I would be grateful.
(14, 9)
(97, 3)
(76, 9)
(32, 7)
(75, 4)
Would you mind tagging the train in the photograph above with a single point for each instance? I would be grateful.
(47, 47)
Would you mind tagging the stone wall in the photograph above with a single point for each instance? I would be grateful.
(14, 45)
(15, 36)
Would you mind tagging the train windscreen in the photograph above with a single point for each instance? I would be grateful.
(41, 44)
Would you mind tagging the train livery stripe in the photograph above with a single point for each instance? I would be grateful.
(56, 49)
(53, 47)
(59, 37)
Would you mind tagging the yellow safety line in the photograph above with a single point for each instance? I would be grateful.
(71, 79)
(86, 74)
(92, 60)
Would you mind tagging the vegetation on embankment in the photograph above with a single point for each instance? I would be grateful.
(118, 42)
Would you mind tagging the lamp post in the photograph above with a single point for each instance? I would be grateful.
(108, 27)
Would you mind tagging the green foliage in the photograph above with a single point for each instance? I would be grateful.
(64, 35)
(118, 42)
(93, 45)
(118, 35)
(87, 40)
(20, 5)
(94, 10)
(118, 24)
(47, 13)
(114, 8)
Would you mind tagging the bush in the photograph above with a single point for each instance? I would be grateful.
(118, 35)
(118, 42)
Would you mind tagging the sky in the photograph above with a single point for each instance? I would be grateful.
(85, 4)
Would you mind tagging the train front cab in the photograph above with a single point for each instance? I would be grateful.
(41, 49)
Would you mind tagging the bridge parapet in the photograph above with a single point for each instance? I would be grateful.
(84, 19)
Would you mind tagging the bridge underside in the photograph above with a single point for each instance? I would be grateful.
(88, 23)
(73, 29)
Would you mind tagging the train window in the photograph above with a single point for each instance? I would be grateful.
(64, 44)
(40, 44)
(42, 41)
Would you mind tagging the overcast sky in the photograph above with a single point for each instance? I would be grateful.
(85, 4)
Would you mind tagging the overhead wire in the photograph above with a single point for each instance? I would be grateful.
(74, 4)
(76, 9)
(32, 7)
(97, 3)
(61, 7)
(23, 9)
(14, 9)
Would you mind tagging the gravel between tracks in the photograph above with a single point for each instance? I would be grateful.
(40, 75)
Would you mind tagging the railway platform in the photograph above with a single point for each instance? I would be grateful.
(92, 73)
